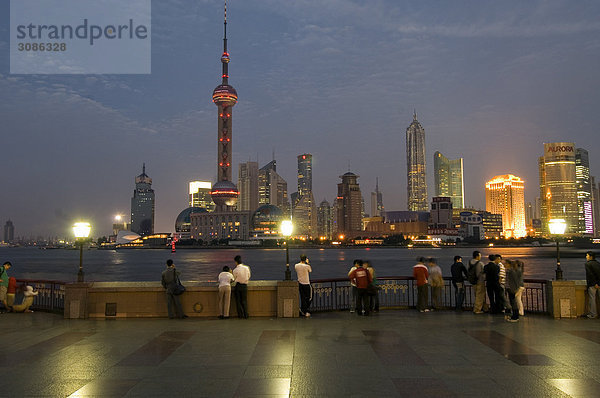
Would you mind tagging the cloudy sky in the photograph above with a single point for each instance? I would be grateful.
(491, 81)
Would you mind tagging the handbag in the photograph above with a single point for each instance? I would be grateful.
(178, 289)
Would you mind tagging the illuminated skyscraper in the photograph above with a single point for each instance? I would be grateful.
(9, 232)
(324, 220)
(349, 206)
(248, 186)
(304, 174)
(416, 173)
(449, 179)
(505, 195)
(376, 201)
(584, 192)
(558, 186)
(272, 188)
(142, 205)
(304, 210)
(199, 195)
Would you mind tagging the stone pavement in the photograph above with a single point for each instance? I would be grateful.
(391, 354)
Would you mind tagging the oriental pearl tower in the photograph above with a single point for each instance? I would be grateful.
(224, 192)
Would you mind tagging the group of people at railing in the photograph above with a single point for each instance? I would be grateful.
(13, 297)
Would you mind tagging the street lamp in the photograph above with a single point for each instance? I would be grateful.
(286, 230)
(557, 227)
(81, 230)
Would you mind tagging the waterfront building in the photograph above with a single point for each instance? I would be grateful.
(416, 171)
(558, 186)
(595, 206)
(440, 218)
(449, 179)
(584, 192)
(471, 226)
(248, 186)
(304, 174)
(199, 195)
(376, 201)
(492, 224)
(349, 206)
(142, 205)
(9, 232)
(505, 194)
(183, 222)
(272, 188)
(412, 224)
(265, 223)
(324, 220)
(304, 210)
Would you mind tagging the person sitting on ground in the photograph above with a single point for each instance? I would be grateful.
(29, 294)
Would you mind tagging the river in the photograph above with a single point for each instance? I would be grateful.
(205, 264)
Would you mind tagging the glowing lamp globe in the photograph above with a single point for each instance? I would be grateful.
(82, 230)
(557, 226)
(287, 228)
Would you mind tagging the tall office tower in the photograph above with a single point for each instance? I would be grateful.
(142, 205)
(376, 201)
(200, 195)
(558, 185)
(415, 160)
(224, 192)
(537, 211)
(304, 174)
(9, 232)
(324, 220)
(595, 206)
(248, 186)
(349, 206)
(272, 188)
(449, 179)
(584, 192)
(529, 210)
(505, 195)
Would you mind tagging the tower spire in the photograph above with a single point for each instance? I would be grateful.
(144, 168)
(415, 114)
(225, 56)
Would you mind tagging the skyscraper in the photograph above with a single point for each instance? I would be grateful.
(584, 192)
(142, 205)
(595, 206)
(199, 195)
(304, 210)
(224, 192)
(416, 172)
(376, 201)
(449, 179)
(558, 186)
(272, 188)
(349, 206)
(304, 174)
(248, 186)
(9, 232)
(505, 195)
(324, 220)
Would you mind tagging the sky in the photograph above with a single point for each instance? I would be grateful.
(490, 81)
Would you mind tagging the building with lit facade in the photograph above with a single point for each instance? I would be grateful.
(304, 209)
(415, 166)
(142, 205)
(410, 224)
(183, 222)
(199, 195)
(324, 220)
(9, 232)
(265, 223)
(440, 217)
(272, 188)
(376, 201)
(505, 194)
(248, 186)
(558, 186)
(584, 192)
(304, 174)
(449, 179)
(492, 224)
(595, 206)
(349, 207)
(471, 226)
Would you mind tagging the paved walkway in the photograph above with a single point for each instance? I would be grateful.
(390, 354)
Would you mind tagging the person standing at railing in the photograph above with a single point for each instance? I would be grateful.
(225, 280)
(503, 305)
(303, 269)
(357, 264)
(169, 281)
(512, 286)
(4, 285)
(421, 274)
(492, 280)
(436, 281)
(592, 277)
(241, 272)
(477, 278)
(373, 290)
(519, 296)
(363, 278)
(459, 275)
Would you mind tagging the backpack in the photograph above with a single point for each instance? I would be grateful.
(472, 272)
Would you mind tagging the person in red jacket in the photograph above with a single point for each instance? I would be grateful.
(421, 274)
(362, 278)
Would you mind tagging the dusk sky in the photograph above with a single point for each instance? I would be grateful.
(491, 81)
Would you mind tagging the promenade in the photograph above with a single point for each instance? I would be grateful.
(338, 354)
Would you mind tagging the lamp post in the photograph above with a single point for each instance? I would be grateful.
(557, 227)
(81, 230)
(286, 230)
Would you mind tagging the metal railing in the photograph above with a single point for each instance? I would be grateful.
(401, 292)
(51, 296)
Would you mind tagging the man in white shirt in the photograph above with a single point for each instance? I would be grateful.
(303, 270)
(241, 273)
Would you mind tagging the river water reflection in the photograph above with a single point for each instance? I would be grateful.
(205, 264)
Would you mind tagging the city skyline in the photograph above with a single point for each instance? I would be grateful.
(491, 83)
